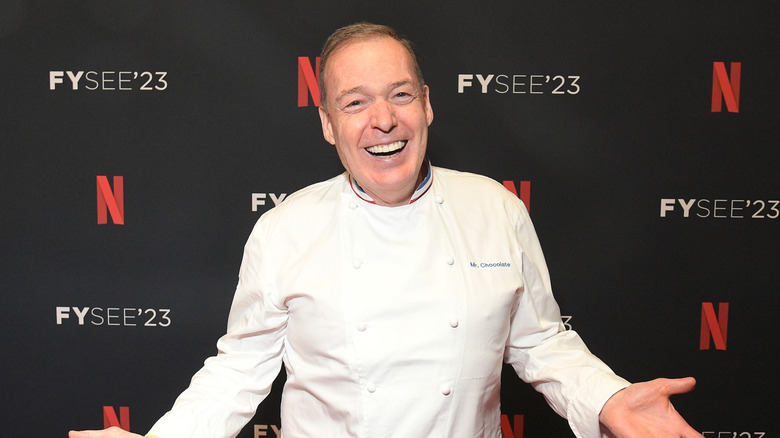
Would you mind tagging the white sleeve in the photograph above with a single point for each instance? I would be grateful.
(575, 383)
(224, 394)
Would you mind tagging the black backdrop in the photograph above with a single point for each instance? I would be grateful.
(649, 201)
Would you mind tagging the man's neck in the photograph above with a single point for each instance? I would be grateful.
(391, 199)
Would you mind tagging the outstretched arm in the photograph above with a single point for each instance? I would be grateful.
(643, 410)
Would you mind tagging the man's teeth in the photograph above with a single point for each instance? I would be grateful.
(387, 149)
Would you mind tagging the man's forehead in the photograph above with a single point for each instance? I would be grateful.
(379, 62)
(369, 52)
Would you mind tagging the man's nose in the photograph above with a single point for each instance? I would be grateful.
(383, 117)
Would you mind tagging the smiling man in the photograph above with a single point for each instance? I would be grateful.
(394, 310)
(379, 116)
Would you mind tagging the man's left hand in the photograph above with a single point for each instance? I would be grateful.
(643, 410)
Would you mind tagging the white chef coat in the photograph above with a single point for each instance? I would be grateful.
(392, 321)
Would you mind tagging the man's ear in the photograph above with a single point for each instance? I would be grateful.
(428, 107)
(327, 128)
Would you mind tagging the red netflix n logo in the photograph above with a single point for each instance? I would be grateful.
(507, 431)
(714, 326)
(110, 201)
(110, 419)
(308, 81)
(725, 89)
(525, 192)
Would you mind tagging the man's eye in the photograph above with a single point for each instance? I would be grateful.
(403, 97)
(353, 104)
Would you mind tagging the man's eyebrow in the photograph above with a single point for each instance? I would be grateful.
(401, 83)
(355, 90)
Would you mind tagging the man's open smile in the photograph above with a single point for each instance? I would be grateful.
(387, 150)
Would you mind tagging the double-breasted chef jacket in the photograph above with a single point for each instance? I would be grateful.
(392, 321)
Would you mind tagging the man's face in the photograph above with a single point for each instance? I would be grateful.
(378, 117)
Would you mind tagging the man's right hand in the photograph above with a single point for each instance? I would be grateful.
(111, 432)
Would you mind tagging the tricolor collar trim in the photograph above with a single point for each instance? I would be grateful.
(421, 189)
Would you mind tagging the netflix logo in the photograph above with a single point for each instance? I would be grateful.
(714, 326)
(524, 193)
(308, 81)
(725, 88)
(111, 419)
(110, 201)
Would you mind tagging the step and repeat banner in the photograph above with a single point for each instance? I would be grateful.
(142, 140)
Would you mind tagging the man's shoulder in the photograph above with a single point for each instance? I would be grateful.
(467, 184)
(320, 190)
(305, 203)
(468, 192)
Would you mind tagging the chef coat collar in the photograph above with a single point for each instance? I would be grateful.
(421, 189)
